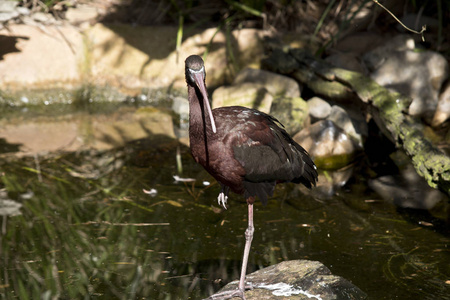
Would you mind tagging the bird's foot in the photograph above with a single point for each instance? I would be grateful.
(230, 294)
(222, 199)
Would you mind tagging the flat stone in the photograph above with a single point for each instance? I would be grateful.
(298, 279)
(50, 57)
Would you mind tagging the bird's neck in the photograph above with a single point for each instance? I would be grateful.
(198, 116)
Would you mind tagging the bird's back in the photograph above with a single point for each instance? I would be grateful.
(265, 152)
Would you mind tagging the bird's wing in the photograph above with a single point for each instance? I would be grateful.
(266, 151)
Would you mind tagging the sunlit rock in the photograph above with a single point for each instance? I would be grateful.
(276, 84)
(318, 108)
(356, 130)
(40, 58)
(418, 75)
(253, 95)
(298, 279)
(328, 144)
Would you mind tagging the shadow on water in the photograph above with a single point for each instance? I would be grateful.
(86, 229)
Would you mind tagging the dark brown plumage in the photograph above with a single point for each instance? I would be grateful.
(244, 149)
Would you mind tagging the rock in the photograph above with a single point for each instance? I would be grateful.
(292, 112)
(319, 109)
(276, 84)
(332, 181)
(298, 279)
(348, 61)
(442, 113)
(407, 190)
(59, 51)
(137, 56)
(328, 144)
(246, 94)
(119, 55)
(81, 13)
(341, 118)
(418, 75)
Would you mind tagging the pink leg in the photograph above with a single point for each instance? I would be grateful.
(248, 242)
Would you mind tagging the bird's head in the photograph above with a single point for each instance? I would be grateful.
(195, 76)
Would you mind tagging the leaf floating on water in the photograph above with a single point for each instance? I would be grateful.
(174, 203)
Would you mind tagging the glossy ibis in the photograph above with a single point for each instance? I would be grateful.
(244, 149)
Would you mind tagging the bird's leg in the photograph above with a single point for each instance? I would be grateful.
(223, 196)
(248, 242)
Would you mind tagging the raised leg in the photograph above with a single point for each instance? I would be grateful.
(223, 196)
(248, 242)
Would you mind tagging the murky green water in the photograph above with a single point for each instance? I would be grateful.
(87, 230)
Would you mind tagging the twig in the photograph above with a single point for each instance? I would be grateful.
(424, 27)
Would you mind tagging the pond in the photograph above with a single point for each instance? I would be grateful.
(116, 224)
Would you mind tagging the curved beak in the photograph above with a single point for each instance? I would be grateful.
(200, 82)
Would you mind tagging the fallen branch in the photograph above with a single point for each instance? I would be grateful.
(389, 108)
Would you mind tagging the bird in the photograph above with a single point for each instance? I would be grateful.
(245, 150)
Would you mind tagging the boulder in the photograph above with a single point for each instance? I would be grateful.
(419, 75)
(297, 279)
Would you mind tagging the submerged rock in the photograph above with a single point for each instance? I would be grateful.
(298, 279)
(407, 190)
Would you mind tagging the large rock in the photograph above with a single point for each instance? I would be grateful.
(120, 55)
(40, 58)
(298, 279)
(419, 75)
